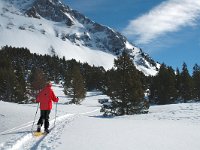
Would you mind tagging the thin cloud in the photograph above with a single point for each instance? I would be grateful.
(169, 16)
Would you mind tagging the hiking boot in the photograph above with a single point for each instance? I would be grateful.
(47, 131)
(39, 128)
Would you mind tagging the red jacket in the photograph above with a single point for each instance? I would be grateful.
(45, 98)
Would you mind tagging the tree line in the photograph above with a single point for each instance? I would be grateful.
(170, 86)
(23, 75)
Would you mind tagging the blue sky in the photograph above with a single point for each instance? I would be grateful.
(168, 30)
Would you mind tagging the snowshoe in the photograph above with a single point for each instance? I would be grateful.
(36, 134)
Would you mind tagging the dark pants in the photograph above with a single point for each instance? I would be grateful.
(44, 117)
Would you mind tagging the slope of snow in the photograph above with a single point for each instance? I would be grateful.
(40, 37)
(44, 36)
(174, 127)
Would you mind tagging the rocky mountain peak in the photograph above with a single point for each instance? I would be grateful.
(50, 9)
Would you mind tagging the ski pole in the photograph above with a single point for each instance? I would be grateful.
(34, 118)
(55, 114)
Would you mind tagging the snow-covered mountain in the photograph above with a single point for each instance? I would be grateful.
(51, 27)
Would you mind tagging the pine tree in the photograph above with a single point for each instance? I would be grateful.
(21, 83)
(74, 85)
(93, 76)
(37, 81)
(186, 88)
(8, 85)
(124, 86)
(163, 90)
(196, 81)
(153, 90)
(178, 83)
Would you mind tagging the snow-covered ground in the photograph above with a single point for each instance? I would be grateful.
(82, 127)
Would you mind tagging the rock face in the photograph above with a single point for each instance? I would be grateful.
(54, 10)
(79, 30)
(51, 10)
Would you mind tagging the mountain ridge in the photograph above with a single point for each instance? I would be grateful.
(49, 27)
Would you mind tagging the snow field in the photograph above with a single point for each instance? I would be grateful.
(23, 139)
(169, 127)
(121, 133)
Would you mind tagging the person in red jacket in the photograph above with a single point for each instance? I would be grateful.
(45, 98)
